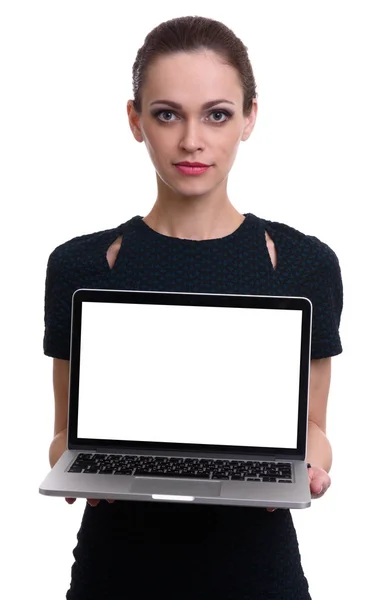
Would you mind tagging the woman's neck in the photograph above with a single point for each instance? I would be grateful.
(193, 217)
(194, 223)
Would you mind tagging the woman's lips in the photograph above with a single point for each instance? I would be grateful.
(191, 170)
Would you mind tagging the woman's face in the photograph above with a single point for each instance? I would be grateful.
(192, 132)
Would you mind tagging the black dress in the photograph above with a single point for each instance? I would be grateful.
(141, 550)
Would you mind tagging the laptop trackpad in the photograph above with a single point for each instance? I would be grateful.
(150, 485)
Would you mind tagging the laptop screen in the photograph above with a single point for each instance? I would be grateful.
(217, 375)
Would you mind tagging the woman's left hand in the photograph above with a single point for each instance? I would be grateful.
(319, 482)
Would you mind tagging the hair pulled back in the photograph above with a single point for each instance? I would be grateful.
(192, 34)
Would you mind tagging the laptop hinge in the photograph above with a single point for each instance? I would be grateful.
(107, 450)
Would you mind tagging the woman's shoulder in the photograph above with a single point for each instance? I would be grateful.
(299, 243)
(84, 247)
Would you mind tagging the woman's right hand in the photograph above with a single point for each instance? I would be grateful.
(91, 501)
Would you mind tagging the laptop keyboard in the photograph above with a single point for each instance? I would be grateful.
(186, 468)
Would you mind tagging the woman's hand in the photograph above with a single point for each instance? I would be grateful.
(319, 481)
(91, 501)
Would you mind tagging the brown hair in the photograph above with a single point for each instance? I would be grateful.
(191, 34)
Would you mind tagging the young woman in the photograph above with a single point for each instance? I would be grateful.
(194, 102)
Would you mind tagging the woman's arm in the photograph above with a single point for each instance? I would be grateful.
(319, 452)
(60, 387)
(58, 446)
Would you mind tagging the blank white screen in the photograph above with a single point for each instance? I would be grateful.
(189, 374)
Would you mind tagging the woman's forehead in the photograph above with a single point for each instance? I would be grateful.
(193, 62)
(184, 76)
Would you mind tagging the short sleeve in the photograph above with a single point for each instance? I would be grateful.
(325, 290)
(57, 311)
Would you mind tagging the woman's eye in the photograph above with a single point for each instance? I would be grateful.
(162, 112)
(220, 112)
(225, 113)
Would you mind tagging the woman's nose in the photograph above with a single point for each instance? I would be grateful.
(191, 139)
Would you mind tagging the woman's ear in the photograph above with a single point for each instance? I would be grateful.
(134, 121)
(250, 121)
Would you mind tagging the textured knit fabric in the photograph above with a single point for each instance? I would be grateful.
(140, 550)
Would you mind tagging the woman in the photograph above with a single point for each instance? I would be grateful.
(194, 102)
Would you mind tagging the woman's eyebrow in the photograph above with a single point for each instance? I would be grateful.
(179, 106)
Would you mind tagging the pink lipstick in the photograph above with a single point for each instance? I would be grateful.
(188, 168)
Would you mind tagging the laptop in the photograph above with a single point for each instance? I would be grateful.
(187, 397)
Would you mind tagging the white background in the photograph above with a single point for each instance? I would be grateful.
(319, 160)
(189, 374)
